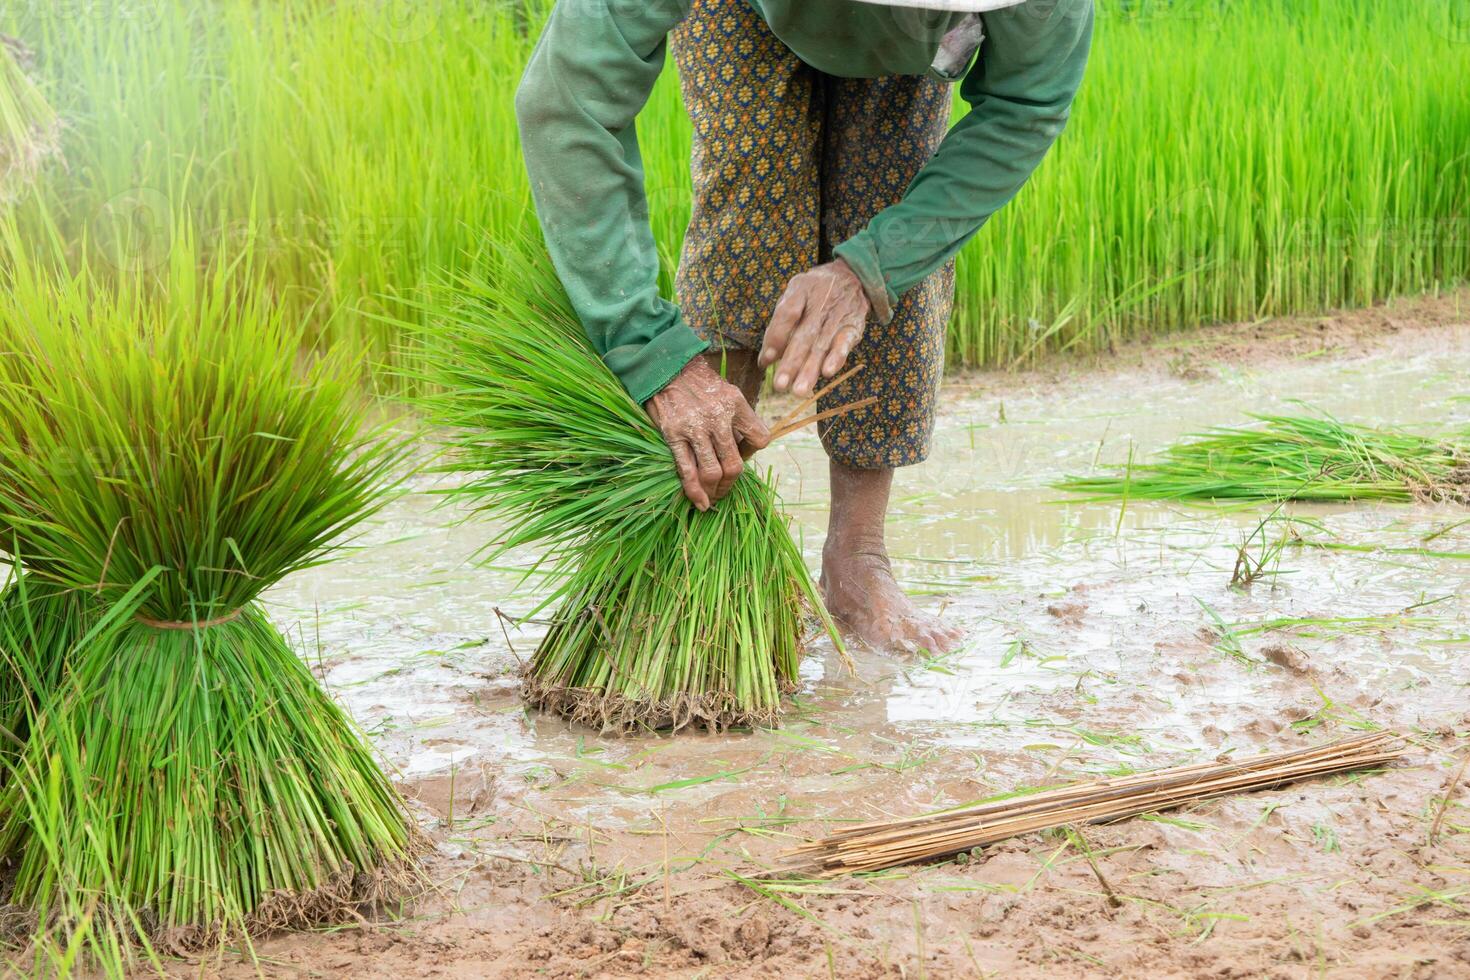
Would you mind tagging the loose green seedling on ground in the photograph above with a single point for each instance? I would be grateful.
(1259, 554)
(1294, 458)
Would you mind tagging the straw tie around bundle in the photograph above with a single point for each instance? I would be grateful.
(185, 625)
(887, 844)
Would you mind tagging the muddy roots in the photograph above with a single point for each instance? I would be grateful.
(1453, 488)
(348, 896)
(613, 713)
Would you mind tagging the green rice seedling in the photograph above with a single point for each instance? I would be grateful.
(30, 131)
(664, 616)
(39, 622)
(166, 455)
(1294, 458)
(1259, 555)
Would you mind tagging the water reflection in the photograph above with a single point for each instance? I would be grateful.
(1095, 632)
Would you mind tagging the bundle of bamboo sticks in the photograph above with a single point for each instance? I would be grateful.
(887, 844)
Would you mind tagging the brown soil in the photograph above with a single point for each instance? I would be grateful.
(1204, 353)
(1271, 901)
(1333, 877)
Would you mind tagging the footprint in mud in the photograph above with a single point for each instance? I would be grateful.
(465, 793)
(1067, 613)
(1289, 657)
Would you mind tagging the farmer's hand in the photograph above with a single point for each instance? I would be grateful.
(816, 325)
(710, 428)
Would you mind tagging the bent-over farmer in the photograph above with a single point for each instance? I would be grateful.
(830, 196)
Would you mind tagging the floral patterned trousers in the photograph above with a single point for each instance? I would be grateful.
(787, 163)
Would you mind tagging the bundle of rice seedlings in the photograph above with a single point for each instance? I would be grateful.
(30, 130)
(664, 617)
(165, 457)
(1294, 458)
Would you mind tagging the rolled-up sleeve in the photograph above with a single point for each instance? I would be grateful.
(590, 75)
(1020, 93)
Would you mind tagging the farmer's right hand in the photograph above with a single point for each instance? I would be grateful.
(710, 428)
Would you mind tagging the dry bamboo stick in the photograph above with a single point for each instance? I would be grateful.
(985, 833)
(964, 837)
(976, 816)
(886, 844)
(1351, 745)
(1180, 775)
(1193, 788)
(961, 837)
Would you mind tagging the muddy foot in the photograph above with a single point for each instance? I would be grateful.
(864, 597)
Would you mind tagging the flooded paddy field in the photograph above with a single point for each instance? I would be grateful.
(1102, 639)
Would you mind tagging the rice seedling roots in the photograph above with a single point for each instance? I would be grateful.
(218, 843)
(1454, 488)
(615, 713)
(348, 895)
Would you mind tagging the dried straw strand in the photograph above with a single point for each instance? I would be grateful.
(816, 396)
(887, 844)
(790, 427)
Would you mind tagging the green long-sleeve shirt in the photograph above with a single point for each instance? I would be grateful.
(597, 62)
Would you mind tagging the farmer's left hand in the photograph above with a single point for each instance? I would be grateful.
(817, 323)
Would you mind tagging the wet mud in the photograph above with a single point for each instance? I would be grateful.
(1101, 639)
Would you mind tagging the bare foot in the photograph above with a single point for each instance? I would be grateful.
(862, 594)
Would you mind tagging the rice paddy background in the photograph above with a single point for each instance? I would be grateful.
(1226, 160)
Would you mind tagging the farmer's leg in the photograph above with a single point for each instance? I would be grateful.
(756, 114)
(879, 132)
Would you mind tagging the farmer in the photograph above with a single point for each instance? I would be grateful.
(830, 196)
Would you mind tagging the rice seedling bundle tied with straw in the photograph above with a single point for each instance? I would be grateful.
(1295, 458)
(663, 616)
(181, 776)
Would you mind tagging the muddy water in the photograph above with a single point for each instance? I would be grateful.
(1100, 636)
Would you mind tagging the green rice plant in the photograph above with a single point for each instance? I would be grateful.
(1226, 159)
(166, 455)
(1294, 458)
(39, 623)
(663, 616)
(30, 131)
